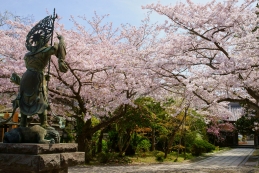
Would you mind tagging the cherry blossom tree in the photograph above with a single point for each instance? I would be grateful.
(211, 50)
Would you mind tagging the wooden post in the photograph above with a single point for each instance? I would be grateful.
(15, 120)
(6, 115)
(2, 130)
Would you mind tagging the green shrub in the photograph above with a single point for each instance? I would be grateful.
(160, 156)
(104, 157)
(104, 146)
(201, 146)
(143, 145)
(190, 137)
(209, 147)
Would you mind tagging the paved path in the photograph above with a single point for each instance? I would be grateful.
(232, 161)
(233, 158)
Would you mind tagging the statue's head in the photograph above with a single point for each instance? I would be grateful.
(39, 35)
(38, 42)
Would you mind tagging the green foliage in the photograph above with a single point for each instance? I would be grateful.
(196, 123)
(79, 126)
(113, 139)
(94, 121)
(182, 129)
(142, 115)
(160, 156)
(189, 139)
(201, 146)
(139, 116)
(245, 124)
(105, 146)
(140, 143)
(69, 137)
(180, 147)
(143, 145)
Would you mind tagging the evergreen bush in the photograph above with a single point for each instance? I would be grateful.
(160, 156)
(144, 145)
(201, 146)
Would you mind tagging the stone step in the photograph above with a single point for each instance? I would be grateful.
(35, 149)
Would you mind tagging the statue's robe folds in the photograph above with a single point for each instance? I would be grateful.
(33, 98)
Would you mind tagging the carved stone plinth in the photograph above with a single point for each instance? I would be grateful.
(39, 158)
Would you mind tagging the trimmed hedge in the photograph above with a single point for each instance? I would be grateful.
(201, 146)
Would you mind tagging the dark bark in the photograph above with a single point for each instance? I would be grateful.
(84, 139)
(169, 143)
(100, 144)
(124, 144)
(153, 140)
(88, 149)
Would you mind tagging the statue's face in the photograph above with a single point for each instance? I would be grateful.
(38, 41)
(36, 37)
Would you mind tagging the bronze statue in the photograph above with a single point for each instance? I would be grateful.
(33, 93)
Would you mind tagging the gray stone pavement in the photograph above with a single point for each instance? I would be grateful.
(231, 161)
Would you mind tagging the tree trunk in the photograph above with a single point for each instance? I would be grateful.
(178, 149)
(88, 149)
(184, 144)
(84, 145)
(123, 144)
(84, 138)
(127, 144)
(81, 142)
(153, 140)
(169, 144)
(100, 144)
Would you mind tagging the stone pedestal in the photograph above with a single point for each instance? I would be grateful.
(39, 158)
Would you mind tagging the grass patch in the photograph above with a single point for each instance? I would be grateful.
(256, 152)
(150, 158)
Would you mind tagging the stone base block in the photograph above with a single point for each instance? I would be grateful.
(14, 160)
(34, 149)
(62, 170)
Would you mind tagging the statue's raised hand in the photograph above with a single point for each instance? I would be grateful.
(61, 53)
(62, 66)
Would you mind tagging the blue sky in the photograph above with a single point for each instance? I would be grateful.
(120, 11)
